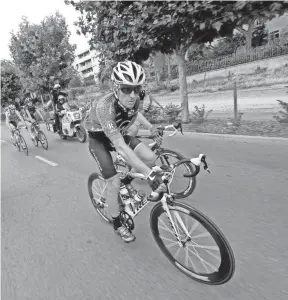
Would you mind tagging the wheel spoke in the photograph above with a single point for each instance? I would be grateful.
(204, 234)
(203, 261)
(189, 259)
(195, 225)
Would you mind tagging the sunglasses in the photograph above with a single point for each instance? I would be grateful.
(129, 89)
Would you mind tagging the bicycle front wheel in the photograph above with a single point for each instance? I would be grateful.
(193, 233)
(97, 189)
(43, 140)
(181, 187)
(23, 144)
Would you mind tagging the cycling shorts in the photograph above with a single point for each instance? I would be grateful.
(100, 147)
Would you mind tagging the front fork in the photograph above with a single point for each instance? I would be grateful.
(172, 223)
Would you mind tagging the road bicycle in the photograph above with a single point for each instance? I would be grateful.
(167, 157)
(37, 135)
(18, 140)
(180, 231)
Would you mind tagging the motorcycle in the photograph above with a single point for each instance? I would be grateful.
(71, 123)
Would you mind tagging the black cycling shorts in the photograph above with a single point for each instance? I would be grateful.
(14, 123)
(100, 147)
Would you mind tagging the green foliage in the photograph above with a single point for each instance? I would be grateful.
(171, 112)
(154, 115)
(43, 54)
(260, 36)
(75, 82)
(283, 118)
(10, 82)
(200, 114)
(134, 29)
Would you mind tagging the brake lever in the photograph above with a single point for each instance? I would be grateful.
(203, 160)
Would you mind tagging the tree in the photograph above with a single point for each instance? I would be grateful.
(134, 30)
(42, 53)
(260, 36)
(257, 11)
(10, 82)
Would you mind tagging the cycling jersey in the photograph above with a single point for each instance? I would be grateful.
(109, 116)
(11, 115)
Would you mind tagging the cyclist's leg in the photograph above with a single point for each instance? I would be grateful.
(57, 122)
(99, 146)
(12, 125)
(32, 130)
(142, 151)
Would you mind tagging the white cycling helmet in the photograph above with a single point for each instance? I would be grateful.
(128, 73)
(57, 86)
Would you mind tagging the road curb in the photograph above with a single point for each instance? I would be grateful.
(231, 137)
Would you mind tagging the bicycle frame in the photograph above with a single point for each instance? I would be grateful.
(166, 198)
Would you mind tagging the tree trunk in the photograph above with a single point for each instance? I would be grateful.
(249, 35)
(169, 69)
(183, 85)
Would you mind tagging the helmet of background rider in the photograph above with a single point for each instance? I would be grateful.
(57, 87)
(12, 107)
(61, 99)
(127, 73)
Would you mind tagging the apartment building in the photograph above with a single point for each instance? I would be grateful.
(86, 63)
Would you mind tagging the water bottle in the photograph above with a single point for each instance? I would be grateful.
(127, 200)
(139, 196)
(124, 192)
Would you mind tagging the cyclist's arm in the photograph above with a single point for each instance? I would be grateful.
(7, 118)
(20, 117)
(29, 116)
(39, 114)
(49, 104)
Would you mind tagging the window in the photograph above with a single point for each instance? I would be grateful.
(274, 34)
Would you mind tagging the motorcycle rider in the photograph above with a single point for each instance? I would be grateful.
(60, 106)
(56, 92)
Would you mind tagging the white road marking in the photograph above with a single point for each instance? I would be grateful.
(51, 163)
(2, 141)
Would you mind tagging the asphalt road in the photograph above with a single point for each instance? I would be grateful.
(54, 245)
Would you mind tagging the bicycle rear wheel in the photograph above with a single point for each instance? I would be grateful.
(181, 187)
(43, 140)
(202, 234)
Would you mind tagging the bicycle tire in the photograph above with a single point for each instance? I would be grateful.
(35, 141)
(16, 144)
(22, 141)
(41, 136)
(81, 130)
(190, 170)
(91, 179)
(227, 267)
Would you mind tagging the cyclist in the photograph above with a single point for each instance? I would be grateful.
(107, 122)
(60, 106)
(55, 93)
(12, 115)
(30, 111)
